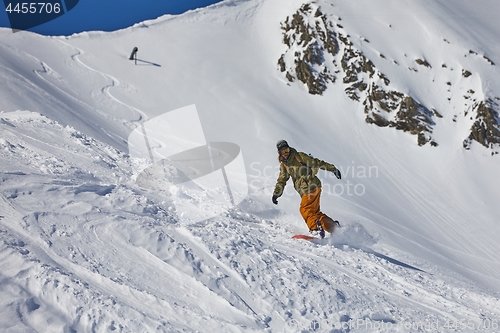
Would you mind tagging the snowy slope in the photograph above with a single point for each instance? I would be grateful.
(84, 248)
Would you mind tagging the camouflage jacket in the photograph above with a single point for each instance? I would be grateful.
(302, 168)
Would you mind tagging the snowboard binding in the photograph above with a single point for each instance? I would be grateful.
(320, 230)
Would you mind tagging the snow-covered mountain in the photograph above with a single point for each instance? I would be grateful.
(401, 96)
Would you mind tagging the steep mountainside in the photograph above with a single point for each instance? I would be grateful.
(319, 52)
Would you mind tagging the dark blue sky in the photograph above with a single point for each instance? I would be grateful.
(108, 15)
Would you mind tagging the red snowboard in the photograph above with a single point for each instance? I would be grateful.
(309, 238)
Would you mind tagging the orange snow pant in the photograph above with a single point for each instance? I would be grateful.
(309, 209)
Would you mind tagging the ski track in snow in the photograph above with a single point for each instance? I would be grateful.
(106, 90)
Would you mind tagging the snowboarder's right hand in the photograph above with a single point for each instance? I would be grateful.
(337, 173)
(275, 199)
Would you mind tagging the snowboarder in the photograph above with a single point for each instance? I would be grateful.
(303, 168)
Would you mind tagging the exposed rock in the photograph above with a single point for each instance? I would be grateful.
(423, 63)
(489, 60)
(415, 118)
(309, 33)
(317, 47)
(410, 116)
(437, 114)
(281, 63)
(378, 120)
(486, 128)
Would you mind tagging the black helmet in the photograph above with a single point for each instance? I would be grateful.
(282, 144)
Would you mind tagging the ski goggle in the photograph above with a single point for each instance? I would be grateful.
(284, 151)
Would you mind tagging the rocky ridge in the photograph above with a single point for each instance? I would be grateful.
(319, 52)
(486, 126)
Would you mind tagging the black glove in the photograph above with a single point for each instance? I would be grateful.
(337, 174)
(275, 199)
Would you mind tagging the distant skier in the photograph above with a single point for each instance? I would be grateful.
(303, 168)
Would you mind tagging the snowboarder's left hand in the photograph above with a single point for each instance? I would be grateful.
(275, 199)
(337, 174)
